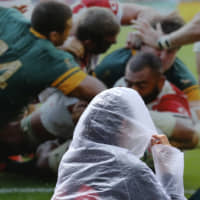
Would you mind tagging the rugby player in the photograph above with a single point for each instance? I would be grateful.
(168, 106)
(30, 62)
(187, 34)
(82, 47)
(111, 69)
(97, 30)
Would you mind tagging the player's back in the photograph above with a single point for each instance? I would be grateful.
(27, 62)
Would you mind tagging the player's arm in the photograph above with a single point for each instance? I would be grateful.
(77, 83)
(74, 82)
(178, 127)
(186, 35)
(182, 133)
(88, 88)
(132, 11)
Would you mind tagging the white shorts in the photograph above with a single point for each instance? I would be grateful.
(55, 116)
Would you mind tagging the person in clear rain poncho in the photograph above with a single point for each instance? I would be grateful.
(103, 161)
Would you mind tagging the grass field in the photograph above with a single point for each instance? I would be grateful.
(31, 187)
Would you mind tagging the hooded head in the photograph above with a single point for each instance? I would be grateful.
(116, 117)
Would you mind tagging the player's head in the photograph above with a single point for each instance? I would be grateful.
(144, 74)
(97, 29)
(169, 24)
(53, 20)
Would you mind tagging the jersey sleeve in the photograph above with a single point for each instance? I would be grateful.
(193, 93)
(70, 79)
(180, 76)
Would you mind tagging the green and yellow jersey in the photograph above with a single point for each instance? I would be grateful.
(113, 67)
(29, 63)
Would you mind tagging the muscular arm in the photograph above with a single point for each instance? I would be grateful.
(178, 128)
(88, 88)
(188, 34)
(183, 135)
(133, 11)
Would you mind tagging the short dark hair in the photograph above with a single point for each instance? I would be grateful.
(142, 60)
(96, 23)
(50, 16)
(169, 23)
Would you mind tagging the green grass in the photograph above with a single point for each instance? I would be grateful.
(26, 196)
(19, 183)
(192, 170)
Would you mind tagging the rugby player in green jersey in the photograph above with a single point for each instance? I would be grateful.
(30, 62)
(96, 30)
(111, 69)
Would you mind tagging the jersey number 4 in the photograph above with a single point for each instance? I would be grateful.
(7, 69)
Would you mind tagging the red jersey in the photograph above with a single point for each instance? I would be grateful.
(113, 5)
(171, 99)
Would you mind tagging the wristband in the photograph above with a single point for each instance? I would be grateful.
(164, 43)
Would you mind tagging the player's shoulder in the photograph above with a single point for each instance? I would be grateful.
(170, 93)
(60, 57)
(10, 12)
(176, 90)
(170, 89)
(53, 52)
(12, 19)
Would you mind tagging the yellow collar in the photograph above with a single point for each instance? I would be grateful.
(133, 52)
(37, 34)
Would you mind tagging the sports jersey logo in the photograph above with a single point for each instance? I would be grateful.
(182, 111)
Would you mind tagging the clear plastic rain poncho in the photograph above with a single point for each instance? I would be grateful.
(103, 161)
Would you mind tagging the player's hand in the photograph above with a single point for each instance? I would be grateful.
(22, 8)
(133, 40)
(159, 139)
(74, 46)
(147, 34)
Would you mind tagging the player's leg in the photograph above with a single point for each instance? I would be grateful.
(51, 120)
(49, 155)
